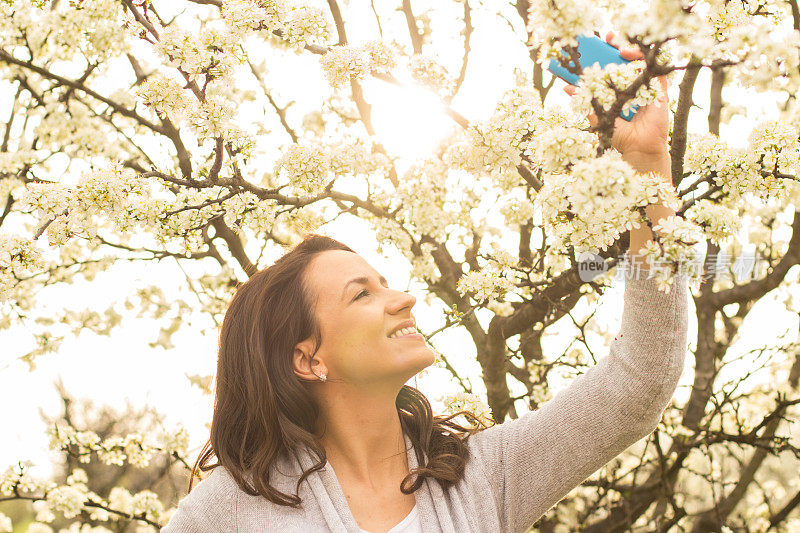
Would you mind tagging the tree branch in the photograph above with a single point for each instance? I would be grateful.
(413, 31)
(8, 58)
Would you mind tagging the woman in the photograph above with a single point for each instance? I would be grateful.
(314, 429)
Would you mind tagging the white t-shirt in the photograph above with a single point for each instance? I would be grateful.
(410, 524)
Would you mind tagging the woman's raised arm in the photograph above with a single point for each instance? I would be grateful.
(534, 461)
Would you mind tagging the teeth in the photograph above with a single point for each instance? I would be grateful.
(404, 331)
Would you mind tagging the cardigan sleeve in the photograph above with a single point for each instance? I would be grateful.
(208, 508)
(533, 461)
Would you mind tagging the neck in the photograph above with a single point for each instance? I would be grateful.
(362, 437)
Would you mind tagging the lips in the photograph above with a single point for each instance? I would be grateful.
(402, 325)
(404, 332)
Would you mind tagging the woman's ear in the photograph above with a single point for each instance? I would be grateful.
(307, 367)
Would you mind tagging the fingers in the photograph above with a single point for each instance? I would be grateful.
(630, 53)
(664, 87)
(570, 90)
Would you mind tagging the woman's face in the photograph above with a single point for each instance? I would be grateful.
(356, 312)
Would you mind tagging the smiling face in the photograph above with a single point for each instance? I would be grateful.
(356, 312)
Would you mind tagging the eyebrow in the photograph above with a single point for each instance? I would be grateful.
(362, 280)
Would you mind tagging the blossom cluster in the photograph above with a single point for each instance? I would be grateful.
(164, 95)
(144, 503)
(74, 133)
(18, 478)
(661, 20)
(740, 171)
(465, 401)
(495, 147)
(719, 222)
(770, 58)
(212, 52)
(556, 149)
(18, 257)
(589, 208)
(430, 73)
(91, 29)
(297, 24)
(341, 63)
(778, 143)
(213, 116)
(489, 282)
(117, 196)
(600, 83)
(244, 16)
(310, 166)
(305, 24)
(555, 24)
(424, 206)
(133, 448)
(69, 499)
(727, 18)
(517, 208)
(98, 194)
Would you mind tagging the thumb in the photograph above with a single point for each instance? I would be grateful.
(664, 86)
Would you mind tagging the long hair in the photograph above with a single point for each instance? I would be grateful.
(262, 409)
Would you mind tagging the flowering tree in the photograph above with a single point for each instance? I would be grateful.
(143, 130)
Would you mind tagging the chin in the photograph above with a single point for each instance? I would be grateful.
(425, 362)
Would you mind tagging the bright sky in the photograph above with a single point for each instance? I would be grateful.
(123, 367)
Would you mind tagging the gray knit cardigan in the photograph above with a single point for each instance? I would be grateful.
(516, 470)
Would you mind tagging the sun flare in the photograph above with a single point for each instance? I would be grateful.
(409, 121)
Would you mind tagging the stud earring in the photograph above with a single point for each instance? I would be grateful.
(322, 377)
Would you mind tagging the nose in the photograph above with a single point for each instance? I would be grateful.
(400, 301)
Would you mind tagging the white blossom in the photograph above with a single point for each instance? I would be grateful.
(430, 73)
(489, 282)
(176, 441)
(381, 57)
(465, 401)
(777, 142)
(68, 499)
(423, 193)
(164, 95)
(38, 527)
(147, 504)
(305, 25)
(718, 221)
(517, 209)
(111, 451)
(244, 16)
(211, 52)
(18, 256)
(120, 499)
(341, 63)
(556, 149)
(213, 117)
(560, 22)
(596, 82)
(306, 166)
(137, 451)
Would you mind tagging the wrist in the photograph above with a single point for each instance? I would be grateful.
(659, 162)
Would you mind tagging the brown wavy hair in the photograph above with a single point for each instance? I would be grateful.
(261, 408)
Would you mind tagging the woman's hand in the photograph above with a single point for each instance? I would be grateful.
(647, 133)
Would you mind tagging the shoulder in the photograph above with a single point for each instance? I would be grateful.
(217, 485)
(208, 507)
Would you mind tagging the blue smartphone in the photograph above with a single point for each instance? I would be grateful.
(591, 50)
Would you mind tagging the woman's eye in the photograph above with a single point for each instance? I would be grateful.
(364, 292)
